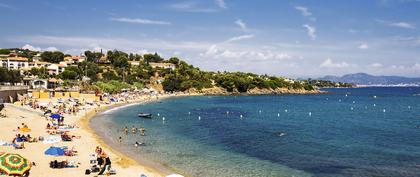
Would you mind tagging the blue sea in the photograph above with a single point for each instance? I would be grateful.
(347, 132)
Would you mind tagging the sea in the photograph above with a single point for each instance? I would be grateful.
(373, 131)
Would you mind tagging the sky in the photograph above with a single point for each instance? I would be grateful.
(297, 39)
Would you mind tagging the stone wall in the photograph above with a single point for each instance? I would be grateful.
(11, 91)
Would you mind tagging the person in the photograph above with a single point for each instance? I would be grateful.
(126, 130)
(106, 165)
(134, 130)
(136, 144)
(98, 151)
(142, 130)
(120, 139)
(48, 126)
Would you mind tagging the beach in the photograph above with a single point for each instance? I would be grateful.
(84, 143)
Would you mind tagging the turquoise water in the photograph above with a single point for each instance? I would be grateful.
(325, 135)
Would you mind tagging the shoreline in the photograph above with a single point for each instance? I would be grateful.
(149, 165)
(124, 160)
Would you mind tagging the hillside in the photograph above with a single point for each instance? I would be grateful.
(367, 79)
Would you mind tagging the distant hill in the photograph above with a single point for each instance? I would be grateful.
(366, 79)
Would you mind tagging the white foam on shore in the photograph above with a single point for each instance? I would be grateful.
(120, 107)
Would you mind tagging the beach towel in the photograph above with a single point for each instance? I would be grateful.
(51, 139)
(3, 143)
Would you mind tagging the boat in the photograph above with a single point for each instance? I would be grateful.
(144, 115)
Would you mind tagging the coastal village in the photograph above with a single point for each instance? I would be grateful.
(47, 102)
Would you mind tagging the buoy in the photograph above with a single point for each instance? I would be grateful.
(259, 111)
(374, 96)
(374, 104)
(163, 118)
(158, 114)
(227, 112)
(409, 107)
(241, 116)
(384, 110)
(346, 95)
(199, 117)
(278, 114)
(354, 102)
(189, 112)
(310, 113)
(326, 98)
(339, 100)
(351, 108)
(285, 110)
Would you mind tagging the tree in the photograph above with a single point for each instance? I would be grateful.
(120, 62)
(92, 56)
(89, 69)
(71, 73)
(53, 57)
(4, 51)
(10, 76)
(110, 75)
(174, 60)
(154, 58)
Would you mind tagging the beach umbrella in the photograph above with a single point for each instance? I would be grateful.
(54, 151)
(51, 139)
(55, 116)
(14, 164)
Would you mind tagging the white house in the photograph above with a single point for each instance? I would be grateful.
(163, 65)
(14, 62)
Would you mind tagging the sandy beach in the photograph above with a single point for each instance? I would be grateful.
(85, 145)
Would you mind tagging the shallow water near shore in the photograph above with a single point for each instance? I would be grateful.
(350, 132)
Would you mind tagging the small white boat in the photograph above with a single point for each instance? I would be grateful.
(144, 115)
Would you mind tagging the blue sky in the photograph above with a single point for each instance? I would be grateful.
(289, 38)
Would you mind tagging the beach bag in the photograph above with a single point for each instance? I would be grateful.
(87, 172)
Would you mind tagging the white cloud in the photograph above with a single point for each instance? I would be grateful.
(51, 49)
(5, 6)
(190, 6)
(242, 37)
(328, 63)
(241, 24)
(110, 43)
(32, 48)
(376, 65)
(221, 4)
(311, 30)
(215, 51)
(140, 21)
(363, 46)
(303, 10)
(403, 25)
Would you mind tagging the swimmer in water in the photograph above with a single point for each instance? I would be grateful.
(142, 130)
(134, 130)
(126, 130)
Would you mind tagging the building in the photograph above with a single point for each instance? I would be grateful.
(4, 55)
(38, 64)
(14, 62)
(74, 59)
(134, 63)
(163, 65)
